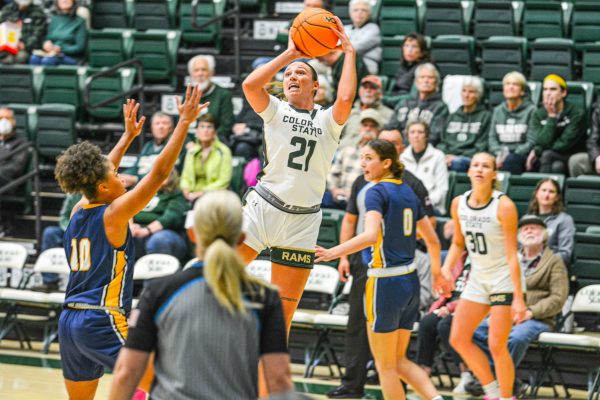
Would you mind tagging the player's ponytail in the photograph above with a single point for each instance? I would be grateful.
(218, 227)
(387, 151)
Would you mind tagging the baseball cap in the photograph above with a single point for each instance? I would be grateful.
(531, 219)
(372, 114)
(373, 79)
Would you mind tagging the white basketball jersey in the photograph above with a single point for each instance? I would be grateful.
(484, 237)
(299, 147)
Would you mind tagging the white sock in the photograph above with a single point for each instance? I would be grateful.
(492, 390)
(465, 375)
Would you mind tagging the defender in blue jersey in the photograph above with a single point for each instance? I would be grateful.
(394, 215)
(99, 246)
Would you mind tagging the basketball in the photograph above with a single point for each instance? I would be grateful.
(313, 36)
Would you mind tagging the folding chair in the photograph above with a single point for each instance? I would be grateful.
(587, 300)
(153, 266)
(20, 300)
(12, 256)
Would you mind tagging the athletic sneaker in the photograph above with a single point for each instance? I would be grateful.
(465, 379)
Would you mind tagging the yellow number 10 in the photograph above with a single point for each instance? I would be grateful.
(408, 221)
(81, 259)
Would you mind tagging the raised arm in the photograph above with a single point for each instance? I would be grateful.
(254, 84)
(132, 202)
(132, 130)
(347, 88)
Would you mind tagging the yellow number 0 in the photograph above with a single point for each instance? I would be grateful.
(408, 221)
(81, 259)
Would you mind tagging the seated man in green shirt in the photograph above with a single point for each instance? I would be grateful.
(207, 164)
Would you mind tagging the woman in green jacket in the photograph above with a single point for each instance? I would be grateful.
(66, 39)
(207, 165)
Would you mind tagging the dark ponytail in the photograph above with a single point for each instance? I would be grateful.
(387, 151)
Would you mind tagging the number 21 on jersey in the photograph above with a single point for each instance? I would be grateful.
(81, 259)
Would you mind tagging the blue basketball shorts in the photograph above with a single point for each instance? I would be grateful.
(90, 341)
(392, 303)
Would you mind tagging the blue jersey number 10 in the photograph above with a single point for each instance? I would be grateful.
(81, 259)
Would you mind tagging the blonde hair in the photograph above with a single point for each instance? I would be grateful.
(517, 77)
(218, 227)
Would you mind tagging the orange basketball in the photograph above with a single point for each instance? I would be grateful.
(313, 36)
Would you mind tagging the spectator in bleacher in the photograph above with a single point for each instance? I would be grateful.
(161, 127)
(346, 164)
(508, 139)
(33, 29)
(207, 164)
(323, 95)
(467, 128)
(427, 163)
(364, 35)
(14, 166)
(588, 163)
(369, 97)
(53, 237)
(547, 289)
(547, 203)
(66, 38)
(201, 69)
(426, 106)
(356, 350)
(414, 53)
(558, 129)
(434, 328)
(333, 63)
(159, 228)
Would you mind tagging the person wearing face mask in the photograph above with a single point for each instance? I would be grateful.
(547, 289)
(32, 20)
(369, 97)
(201, 69)
(66, 38)
(426, 106)
(346, 165)
(558, 129)
(14, 166)
(207, 165)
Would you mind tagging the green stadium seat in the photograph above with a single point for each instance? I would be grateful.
(586, 272)
(19, 84)
(329, 232)
(154, 14)
(341, 9)
(494, 18)
(592, 229)
(55, 130)
(110, 14)
(582, 198)
(445, 17)
(237, 178)
(551, 56)
(207, 9)
(543, 19)
(458, 183)
(454, 54)
(521, 188)
(501, 55)
(591, 64)
(581, 94)
(398, 17)
(62, 85)
(584, 26)
(105, 88)
(495, 96)
(108, 47)
(559, 178)
(586, 269)
(157, 50)
(391, 55)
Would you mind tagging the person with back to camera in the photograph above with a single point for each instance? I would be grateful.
(485, 222)
(392, 288)
(99, 246)
(300, 139)
(208, 324)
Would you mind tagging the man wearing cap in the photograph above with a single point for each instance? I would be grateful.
(547, 289)
(558, 129)
(370, 93)
(346, 165)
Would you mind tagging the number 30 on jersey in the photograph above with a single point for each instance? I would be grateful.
(81, 259)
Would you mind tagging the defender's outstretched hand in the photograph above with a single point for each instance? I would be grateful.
(132, 126)
(190, 108)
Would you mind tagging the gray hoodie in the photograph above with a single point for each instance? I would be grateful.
(561, 235)
(509, 128)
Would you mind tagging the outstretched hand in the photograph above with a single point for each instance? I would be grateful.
(190, 109)
(130, 110)
(345, 44)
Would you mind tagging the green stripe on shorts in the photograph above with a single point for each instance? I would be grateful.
(293, 257)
